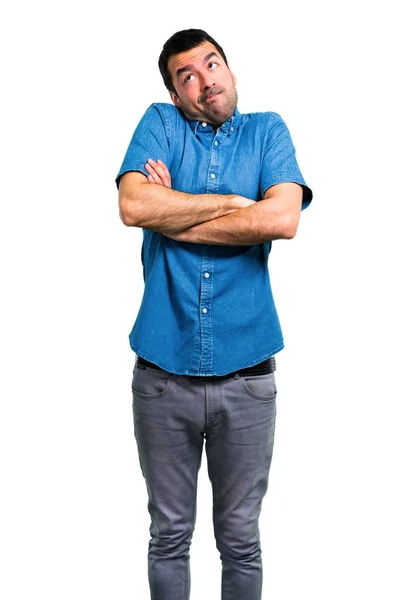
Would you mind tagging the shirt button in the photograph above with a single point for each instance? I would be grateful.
(215, 143)
(212, 175)
(231, 128)
(204, 124)
(204, 310)
(207, 275)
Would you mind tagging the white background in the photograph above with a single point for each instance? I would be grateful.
(76, 79)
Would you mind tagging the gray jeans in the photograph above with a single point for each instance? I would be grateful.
(173, 416)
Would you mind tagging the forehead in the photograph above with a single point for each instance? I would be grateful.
(193, 57)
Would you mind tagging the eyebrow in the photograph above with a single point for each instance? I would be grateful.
(191, 68)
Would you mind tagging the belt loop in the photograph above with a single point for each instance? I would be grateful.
(236, 375)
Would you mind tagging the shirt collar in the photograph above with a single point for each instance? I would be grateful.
(227, 127)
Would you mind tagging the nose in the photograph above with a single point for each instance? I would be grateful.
(207, 82)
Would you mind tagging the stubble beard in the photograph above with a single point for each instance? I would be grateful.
(213, 112)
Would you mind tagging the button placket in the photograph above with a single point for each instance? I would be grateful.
(214, 168)
(205, 310)
(207, 265)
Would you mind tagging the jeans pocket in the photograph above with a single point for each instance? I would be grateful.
(260, 386)
(150, 383)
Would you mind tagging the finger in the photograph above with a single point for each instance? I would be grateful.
(160, 173)
(160, 168)
(153, 173)
(157, 167)
(164, 173)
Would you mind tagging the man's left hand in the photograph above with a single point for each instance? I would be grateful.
(158, 172)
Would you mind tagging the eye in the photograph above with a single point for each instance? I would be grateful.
(188, 79)
(212, 65)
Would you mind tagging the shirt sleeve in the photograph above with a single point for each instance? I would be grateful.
(150, 140)
(279, 164)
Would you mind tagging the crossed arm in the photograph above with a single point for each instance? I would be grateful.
(207, 218)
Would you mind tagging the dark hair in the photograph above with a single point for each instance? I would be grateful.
(182, 41)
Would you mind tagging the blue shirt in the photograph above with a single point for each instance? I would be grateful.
(209, 309)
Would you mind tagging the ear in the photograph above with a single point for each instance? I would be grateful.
(175, 99)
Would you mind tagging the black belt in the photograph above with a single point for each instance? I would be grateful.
(263, 368)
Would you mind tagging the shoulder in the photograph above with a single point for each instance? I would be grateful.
(262, 127)
(161, 119)
(168, 113)
(262, 119)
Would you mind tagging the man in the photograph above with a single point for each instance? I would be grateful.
(211, 188)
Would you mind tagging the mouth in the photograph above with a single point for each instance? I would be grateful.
(211, 96)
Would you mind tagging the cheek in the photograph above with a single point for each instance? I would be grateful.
(192, 92)
(191, 97)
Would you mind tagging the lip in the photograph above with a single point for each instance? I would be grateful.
(212, 97)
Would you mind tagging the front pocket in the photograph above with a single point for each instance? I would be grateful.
(150, 383)
(260, 386)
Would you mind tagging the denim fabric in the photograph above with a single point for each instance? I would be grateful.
(174, 416)
(209, 309)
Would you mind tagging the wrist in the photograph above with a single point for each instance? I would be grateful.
(231, 203)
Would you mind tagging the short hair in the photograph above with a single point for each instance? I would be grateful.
(182, 41)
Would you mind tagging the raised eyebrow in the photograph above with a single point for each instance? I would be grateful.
(211, 55)
(191, 68)
(183, 70)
